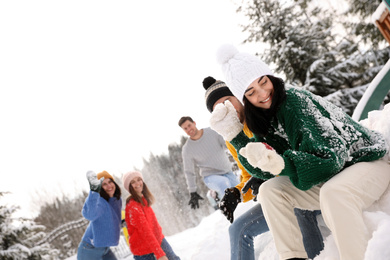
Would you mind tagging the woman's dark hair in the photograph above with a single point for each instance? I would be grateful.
(258, 119)
(117, 193)
(145, 191)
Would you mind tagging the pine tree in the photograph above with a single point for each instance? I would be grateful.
(314, 47)
(357, 20)
(60, 212)
(18, 237)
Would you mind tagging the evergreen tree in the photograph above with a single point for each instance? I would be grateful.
(313, 47)
(357, 20)
(61, 211)
(19, 237)
(295, 40)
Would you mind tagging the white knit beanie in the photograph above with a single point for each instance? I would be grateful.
(240, 69)
(128, 177)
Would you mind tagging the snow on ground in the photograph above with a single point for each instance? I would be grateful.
(210, 239)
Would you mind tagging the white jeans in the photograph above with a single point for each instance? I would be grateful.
(342, 200)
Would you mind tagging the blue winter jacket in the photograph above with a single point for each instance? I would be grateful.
(105, 220)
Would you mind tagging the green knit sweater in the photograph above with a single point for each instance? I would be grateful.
(316, 140)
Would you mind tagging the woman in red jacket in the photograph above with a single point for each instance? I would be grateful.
(146, 238)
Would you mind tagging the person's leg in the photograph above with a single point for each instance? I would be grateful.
(166, 247)
(242, 232)
(234, 180)
(213, 198)
(278, 198)
(219, 183)
(87, 251)
(144, 257)
(311, 233)
(109, 255)
(343, 199)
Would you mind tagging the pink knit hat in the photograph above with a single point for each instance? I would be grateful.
(128, 177)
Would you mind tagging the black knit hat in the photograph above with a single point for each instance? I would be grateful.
(215, 89)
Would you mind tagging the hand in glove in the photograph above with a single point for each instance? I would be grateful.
(194, 201)
(94, 183)
(262, 156)
(253, 183)
(229, 202)
(224, 120)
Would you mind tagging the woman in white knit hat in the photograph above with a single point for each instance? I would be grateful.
(145, 233)
(324, 159)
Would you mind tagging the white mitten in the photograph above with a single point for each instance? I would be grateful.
(262, 156)
(224, 120)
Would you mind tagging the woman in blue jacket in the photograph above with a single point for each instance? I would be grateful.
(103, 209)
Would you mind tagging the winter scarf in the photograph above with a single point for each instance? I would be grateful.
(316, 140)
(144, 230)
(105, 220)
(245, 176)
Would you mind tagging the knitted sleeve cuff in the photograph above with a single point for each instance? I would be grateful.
(303, 177)
(240, 141)
(159, 253)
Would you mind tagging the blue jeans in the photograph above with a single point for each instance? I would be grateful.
(252, 223)
(220, 182)
(165, 247)
(311, 234)
(87, 251)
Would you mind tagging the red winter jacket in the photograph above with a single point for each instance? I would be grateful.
(144, 231)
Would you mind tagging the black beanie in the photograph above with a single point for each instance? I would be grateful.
(215, 89)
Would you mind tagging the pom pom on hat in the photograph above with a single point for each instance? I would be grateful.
(240, 69)
(225, 53)
(104, 174)
(215, 89)
(207, 82)
(128, 177)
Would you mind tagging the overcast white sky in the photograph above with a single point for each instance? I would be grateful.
(98, 85)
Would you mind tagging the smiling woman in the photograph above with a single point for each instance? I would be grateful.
(102, 208)
(323, 159)
(146, 238)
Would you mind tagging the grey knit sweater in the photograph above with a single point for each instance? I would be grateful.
(208, 153)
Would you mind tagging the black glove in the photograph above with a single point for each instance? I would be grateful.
(123, 223)
(253, 183)
(94, 183)
(194, 200)
(229, 202)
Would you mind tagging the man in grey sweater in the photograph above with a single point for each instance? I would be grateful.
(205, 149)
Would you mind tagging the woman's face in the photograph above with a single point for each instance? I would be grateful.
(109, 187)
(137, 185)
(260, 92)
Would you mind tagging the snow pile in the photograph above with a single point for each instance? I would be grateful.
(379, 120)
(210, 239)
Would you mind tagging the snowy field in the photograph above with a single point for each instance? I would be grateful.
(210, 239)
